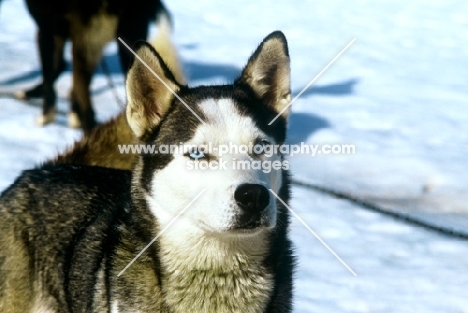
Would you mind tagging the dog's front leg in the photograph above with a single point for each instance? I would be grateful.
(87, 49)
(51, 54)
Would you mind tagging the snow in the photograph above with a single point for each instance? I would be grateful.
(400, 268)
(398, 94)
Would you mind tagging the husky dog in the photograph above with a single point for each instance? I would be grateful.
(90, 25)
(218, 238)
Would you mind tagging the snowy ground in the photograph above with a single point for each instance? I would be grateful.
(398, 94)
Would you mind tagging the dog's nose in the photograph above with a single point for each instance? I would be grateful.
(252, 197)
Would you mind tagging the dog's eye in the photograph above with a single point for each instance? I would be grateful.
(196, 155)
(260, 146)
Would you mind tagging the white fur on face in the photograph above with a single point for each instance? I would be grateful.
(175, 186)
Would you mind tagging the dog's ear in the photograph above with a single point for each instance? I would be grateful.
(268, 72)
(149, 84)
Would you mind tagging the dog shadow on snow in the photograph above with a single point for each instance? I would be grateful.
(302, 125)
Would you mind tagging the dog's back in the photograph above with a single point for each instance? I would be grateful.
(50, 253)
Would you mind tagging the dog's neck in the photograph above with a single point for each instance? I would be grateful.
(212, 273)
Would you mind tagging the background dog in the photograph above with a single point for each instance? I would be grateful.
(90, 25)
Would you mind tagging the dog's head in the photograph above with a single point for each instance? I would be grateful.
(221, 141)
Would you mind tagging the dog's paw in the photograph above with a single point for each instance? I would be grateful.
(73, 120)
(20, 95)
(45, 119)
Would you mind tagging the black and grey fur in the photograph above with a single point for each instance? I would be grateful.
(67, 231)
